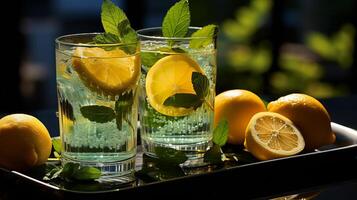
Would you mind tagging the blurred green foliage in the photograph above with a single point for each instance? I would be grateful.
(247, 56)
(338, 47)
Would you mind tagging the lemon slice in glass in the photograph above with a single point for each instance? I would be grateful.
(108, 72)
(168, 76)
(271, 135)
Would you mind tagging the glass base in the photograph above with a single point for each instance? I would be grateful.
(119, 171)
(195, 152)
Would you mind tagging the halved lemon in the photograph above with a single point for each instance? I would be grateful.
(168, 76)
(109, 72)
(271, 135)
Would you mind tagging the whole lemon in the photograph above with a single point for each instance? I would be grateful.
(310, 117)
(24, 142)
(237, 107)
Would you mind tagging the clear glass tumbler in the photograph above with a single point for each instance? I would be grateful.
(177, 91)
(97, 100)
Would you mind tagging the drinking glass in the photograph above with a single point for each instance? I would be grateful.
(97, 101)
(177, 91)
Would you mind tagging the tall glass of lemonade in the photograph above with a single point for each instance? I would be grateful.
(177, 86)
(97, 100)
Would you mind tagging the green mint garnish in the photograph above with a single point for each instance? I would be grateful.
(103, 114)
(176, 21)
(200, 84)
(220, 133)
(86, 173)
(106, 38)
(117, 28)
(185, 100)
(148, 59)
(111, 17)
(170, 156)
(207, 32)
(100, 114)
(127, 35)
(73, 171)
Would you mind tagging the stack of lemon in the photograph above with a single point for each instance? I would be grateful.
(287, 126)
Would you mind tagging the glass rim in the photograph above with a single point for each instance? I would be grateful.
(141, 34)
(59, 38)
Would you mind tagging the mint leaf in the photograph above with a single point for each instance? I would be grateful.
(100, 114)
(86, 173)
(213, 155)
(170, 156)
(57, 144)
(123, 107)
(200, 84)
(176, 21)
(148, 59)
(111, 16)
(203, 37)
(128, 36)
(220, 133)
(106, 38)
(74, 171)
(69, 169)
(185, 100)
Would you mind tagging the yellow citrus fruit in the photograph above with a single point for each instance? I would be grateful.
(237, 107)
(271, 135)
(24, 142)
(168, 76)
(309, 115)
(110, 72)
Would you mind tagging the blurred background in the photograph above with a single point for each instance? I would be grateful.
(271, 47)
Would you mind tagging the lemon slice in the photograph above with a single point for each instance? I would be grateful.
(168, 76)
(109, 72)
(271, 135)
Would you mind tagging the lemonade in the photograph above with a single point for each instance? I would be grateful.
(177, 87)
(97, 98)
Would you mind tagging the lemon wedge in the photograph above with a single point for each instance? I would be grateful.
(108, 72)
(168, 76)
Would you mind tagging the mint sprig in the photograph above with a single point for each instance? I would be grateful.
(215, 155)
(220, 133)
(111, 16)
(73, 171)
(176, 21)
(186, 100)
(106, 38)
(117, 28)
(170, 156)
(103, 114)
(203, 37)
(100, 114)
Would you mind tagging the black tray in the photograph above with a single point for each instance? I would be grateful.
(300, 173)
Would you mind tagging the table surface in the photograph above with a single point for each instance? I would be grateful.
(342, 110)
